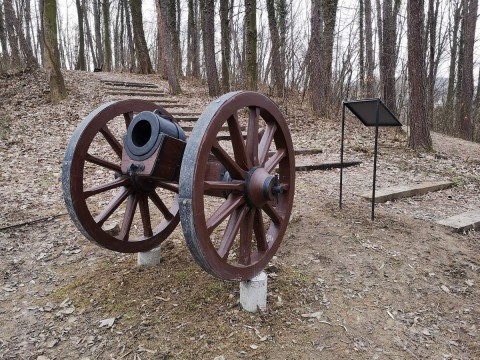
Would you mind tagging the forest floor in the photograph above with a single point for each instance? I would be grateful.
(340, 286)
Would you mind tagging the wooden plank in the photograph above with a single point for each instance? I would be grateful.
(326, 166)
(135, 93)
(185, 118)
(466, 221)
(162, 103)
(128, 83)
(140, 91)
(403, 191)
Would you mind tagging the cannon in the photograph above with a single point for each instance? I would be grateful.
(231, 184)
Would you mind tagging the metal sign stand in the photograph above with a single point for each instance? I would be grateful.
(363, 110)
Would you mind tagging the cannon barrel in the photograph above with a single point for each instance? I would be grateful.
(153, 146)
(144, 134)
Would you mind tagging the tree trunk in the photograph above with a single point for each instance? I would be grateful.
(419, 130)
(278, 73)
(166, 41)
(361, 58)
(89, 38)
(469, 24)
(282, 14)
(98, 33)
(52, 57)
(453, 59)
(316, 57)
(131, 47)
(389, 55)
(380, 45)
(81, 64)
(3, 34)
(208, 28)
(144, 63)
(370, 65)
(12, 37)
(226, 40)
(329, 20)
(107, 65)
(432, 35)
(174, 36)
(251, 43)
(15, 25)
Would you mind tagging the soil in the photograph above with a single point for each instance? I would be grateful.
(340, 286)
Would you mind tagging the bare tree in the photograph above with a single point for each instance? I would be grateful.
(453, 55)
(166, 41)
(419, 129)
(225, 39)
(15, 26)
(329, 20)
(208, 28)
(12, 37)
(3, 34)
(174, 35)
(469, 22)
(251, 43)
(370, 65)
(52, 58)
(145, 65)
(97, 24)
(81, 64)
(316, 57)
(107, 56)
(361, 57)
(278, 71)
(193, 50)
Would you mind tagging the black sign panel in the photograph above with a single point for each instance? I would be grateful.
(366, 109)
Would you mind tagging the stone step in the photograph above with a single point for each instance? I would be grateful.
(404, 191)
(466, 221)
(128, 83)
(117, 90)
(135, 93)
(162, 104)
(182, 118)
(326, 166)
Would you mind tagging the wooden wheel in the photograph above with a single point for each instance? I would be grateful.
(234, 223)
(98, 195)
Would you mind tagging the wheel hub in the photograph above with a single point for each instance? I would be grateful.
(260, 187)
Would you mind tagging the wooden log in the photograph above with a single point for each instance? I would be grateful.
(466, 221)
(404, 191)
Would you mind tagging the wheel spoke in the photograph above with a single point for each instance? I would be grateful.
(232, 167)
(128, 217)
(238, 144)
(160, 205)
(105, 187)
(103, 163)
(222, 185)
(272, 213)
(128, 118)
(252, 135)
(114, 204)
(265, 143)
(231, 231)
(275, 159)
(259, 231)
(112, 140)
(245, 250)
(145, 214)
(229, 205)
(167, 186)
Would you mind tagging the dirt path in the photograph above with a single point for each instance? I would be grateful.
(340, 286)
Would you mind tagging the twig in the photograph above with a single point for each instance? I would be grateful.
(30, 222)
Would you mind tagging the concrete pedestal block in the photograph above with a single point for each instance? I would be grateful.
(253, 293)
(149, 258)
